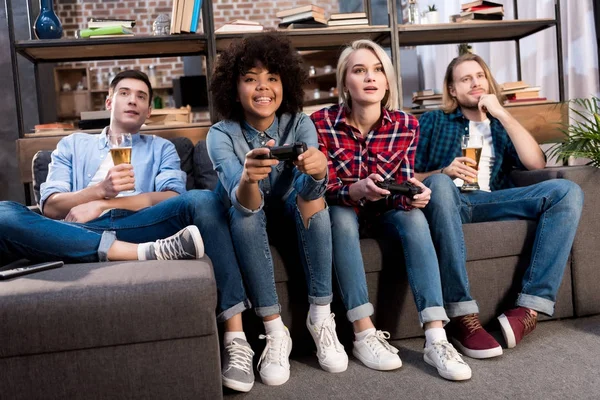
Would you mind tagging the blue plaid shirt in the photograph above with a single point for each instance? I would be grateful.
(440, 141)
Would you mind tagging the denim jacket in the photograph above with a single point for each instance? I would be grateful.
(78, 156)
(228, 143)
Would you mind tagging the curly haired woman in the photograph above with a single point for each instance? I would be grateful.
(257, 90)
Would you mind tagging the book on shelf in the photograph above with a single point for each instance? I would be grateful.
(85, 115)
(348, 15)
(240, 25)
(196, 15)
(300, 10)
(110, 36)
(303, 25)
(428, 102)
(476, 17)
(54, 126)
(523, 95)
(533, 100)
(186, 16)
(174, 10)
(305, 16)
(426, 92)
(107, 30)
(521, 90)
(346, 22)
(514, 85)
(104, 22)
(484, 10)
(478, 3)
(435, 96)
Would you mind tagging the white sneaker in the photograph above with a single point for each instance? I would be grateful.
(330, 352)
(450, 365)
(375, 352)
(274, 363)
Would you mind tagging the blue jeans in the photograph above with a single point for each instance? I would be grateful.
(555, 204)
(410, 228)
(251, 243)
(25, 234)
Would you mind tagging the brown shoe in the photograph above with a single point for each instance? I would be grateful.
(516, 324)
(469, 337)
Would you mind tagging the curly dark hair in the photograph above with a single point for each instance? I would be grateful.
(276, 54)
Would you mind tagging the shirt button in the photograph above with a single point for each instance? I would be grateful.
(89, 175)
(267, 191)
(262, 143)
(262, 134)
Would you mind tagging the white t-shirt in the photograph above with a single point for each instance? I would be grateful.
(101, 174)
(486, 162)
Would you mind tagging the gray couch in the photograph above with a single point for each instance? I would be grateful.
(142, 330)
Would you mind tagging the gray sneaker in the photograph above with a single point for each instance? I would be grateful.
(184, 245)
(237, 372)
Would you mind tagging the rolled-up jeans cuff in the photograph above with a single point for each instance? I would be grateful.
(536, 303)
(268, 311)
(106, 241)
(461, 308)
(360, 312)
(231, 311)
(431, 314)
(320, 301)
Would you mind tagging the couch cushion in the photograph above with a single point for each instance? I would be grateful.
(185, 150)
(205, 176)
(39, 168)
(94, 305)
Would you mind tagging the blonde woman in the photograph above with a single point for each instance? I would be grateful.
(366, 141)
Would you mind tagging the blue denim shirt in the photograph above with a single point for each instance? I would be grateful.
(228, 143)
(78, 156)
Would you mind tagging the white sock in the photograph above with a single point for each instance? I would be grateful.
(358, 336)
(229, 336)
(434, 334)
(142, 249)
(274, 325)
(318, 313)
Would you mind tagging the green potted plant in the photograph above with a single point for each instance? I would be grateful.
(433, 16)
(582, 135)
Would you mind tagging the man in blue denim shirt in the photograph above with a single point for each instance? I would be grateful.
(86, 220)
(472, 107)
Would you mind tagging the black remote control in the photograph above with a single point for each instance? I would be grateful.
(29, 269)
(405, 188)
(287, 152)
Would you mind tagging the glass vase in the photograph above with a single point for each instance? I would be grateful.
(47, 25)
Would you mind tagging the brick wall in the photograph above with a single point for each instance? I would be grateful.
(75, 13)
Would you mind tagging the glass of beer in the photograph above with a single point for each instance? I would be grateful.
(120, 149)
(471, 147)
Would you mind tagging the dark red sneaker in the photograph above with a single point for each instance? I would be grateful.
(515, 324)
(469, 337)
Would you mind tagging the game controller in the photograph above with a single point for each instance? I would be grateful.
(405, 188)
(287, 152)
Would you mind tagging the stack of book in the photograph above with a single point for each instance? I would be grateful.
(346, 19)
(427, 99)
(240, 25)
(520, 92)
(185, 15)
(480, 10)
(309, 16)
(103, 28)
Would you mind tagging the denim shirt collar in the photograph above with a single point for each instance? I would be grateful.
(251, 132)
(103, 142)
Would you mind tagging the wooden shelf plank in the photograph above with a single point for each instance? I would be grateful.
(470, 32)
(63, 50)
(318, 38)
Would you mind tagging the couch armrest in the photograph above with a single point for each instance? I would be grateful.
(586, 251)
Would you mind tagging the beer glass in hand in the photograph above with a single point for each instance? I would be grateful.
(120, 149)
(471, 147)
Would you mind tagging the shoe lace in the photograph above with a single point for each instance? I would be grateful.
(327, 336)
(170, 248)
(378, 342)
(240, 357)
(275, 350)
(529, 322)
(471, 322)
(447, 352)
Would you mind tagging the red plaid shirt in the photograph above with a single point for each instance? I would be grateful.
(388, 150)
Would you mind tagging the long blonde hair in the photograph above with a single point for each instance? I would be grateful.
(390, 100)
(449, 102)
